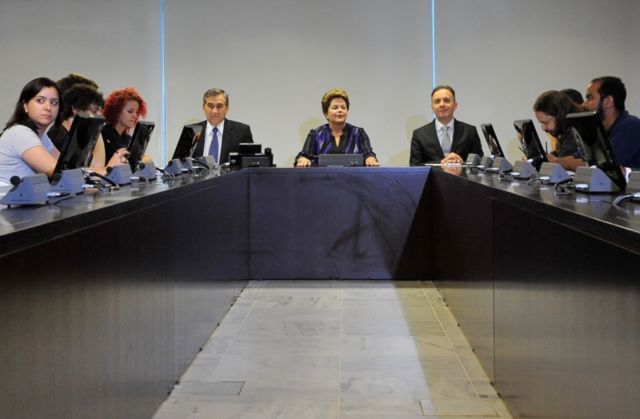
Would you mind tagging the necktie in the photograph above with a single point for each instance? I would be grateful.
(213, 148)
(446, 141)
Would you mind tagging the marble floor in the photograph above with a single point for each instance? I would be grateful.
(335, 349)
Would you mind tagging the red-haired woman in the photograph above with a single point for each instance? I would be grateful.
(122, 110)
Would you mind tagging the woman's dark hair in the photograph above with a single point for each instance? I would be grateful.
(80, 97)
(29, 91)
(558, 105)
(575, 95)
(72, 79)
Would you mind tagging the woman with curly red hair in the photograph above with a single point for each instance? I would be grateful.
(122, 110)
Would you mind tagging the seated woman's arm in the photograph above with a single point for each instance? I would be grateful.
(40, 160)
(370, 158)
(306, 156)
(99, 155)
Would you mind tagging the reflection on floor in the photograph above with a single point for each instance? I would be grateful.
(335, 349)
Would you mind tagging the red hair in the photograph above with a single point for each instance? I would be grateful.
(116, 102)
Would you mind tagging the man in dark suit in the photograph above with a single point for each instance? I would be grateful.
(445, 139)
(219, 136)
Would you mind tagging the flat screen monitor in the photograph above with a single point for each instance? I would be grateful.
(492, 140)
(83, 135)
(187, 141)
(249, 148)
(340, 160)
(530, 143)
(594, 145)
(138, 142)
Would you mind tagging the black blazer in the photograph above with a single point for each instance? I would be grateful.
(233, 134)
(425, 146)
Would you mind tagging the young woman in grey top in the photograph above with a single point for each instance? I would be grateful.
(25, 148)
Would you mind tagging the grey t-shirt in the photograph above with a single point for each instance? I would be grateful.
(13, 143)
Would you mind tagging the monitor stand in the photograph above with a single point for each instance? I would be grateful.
(500, 165)
(30, 190)
(524, 170)
(174, 167)
(207, 161)
(120, 174)
(593, 180)
(634, 182)
(71, 181)
(473, 160)
(486, 162)
(553, 173)
(146, 171)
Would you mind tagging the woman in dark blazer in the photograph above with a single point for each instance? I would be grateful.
(336, 136)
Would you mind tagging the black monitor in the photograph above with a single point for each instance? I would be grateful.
(492, 140)
(340, 160)
(249, 148)
(250, 155)
(187, 141)
(594, 145)
(138, 143)
(77, 150)
(530, 143)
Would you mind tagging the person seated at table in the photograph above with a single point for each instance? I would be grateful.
(336, 136)
(606, 95)
(73, 79)
(122, 110)
(219, 136)
(551, 109)
(79, 98)
(25, 148)
(57, 132)
(574, 95)
(444, 140)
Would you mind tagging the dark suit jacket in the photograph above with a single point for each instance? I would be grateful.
(233, 134)
(425, 146)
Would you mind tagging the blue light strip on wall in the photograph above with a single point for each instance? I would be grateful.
(163, 81)
(433, 43)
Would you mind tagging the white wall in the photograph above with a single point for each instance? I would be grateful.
(501, 54)
(277, 57)
(114, 42)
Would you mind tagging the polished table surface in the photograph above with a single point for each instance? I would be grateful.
(595, 213)
(21, 226)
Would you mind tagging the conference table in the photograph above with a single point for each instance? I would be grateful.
(107, 297)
